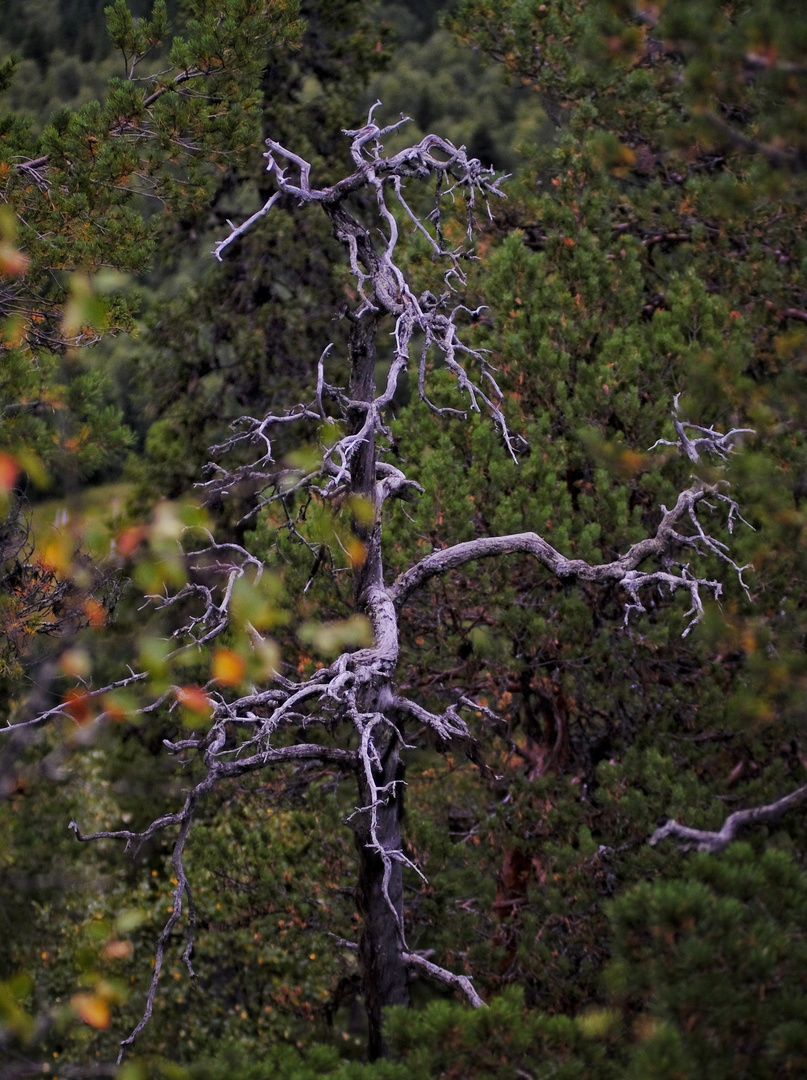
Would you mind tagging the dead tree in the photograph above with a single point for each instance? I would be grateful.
(356, 695)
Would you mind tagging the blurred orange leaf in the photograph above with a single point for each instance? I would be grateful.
(118, 950)
(77, 705)
(9, 471)
(195, 699)
(129, 540)
(92, 1010)
(228, 667)
(13, 262)
(94, 610)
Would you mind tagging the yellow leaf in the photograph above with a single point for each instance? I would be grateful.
(93, 1010)
(599, 1023)
(356, 552)
(268, 659)
(76, 662)
(57, 555)
(119, 705)
(332, 637)
(362, 509)
(228, 667)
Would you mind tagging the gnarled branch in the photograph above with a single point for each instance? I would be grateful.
(702, 840)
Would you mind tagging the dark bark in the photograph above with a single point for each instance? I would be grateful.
(381, 961)
(379, 892)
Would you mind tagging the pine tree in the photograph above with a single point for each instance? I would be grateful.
(78, 215)
(336, 496)
(653, 250)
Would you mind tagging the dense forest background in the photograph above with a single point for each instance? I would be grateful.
(649, 263)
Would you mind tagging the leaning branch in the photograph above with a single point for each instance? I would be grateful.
(702, 840)
(780, 159)
(622, 571)
(442, 975)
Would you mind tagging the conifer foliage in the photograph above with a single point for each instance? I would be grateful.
(536, 618)
(349, 715)
(80, 202)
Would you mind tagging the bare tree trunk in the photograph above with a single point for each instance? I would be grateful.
(379, 902)
(379, 892)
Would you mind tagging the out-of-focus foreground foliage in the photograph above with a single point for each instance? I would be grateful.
(652, 245)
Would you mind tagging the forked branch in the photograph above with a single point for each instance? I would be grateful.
(623, 571)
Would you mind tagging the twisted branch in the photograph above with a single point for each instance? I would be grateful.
(702, 840)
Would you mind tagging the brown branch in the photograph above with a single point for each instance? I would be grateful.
(666, 237)
(779, 158)
(783, 314)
